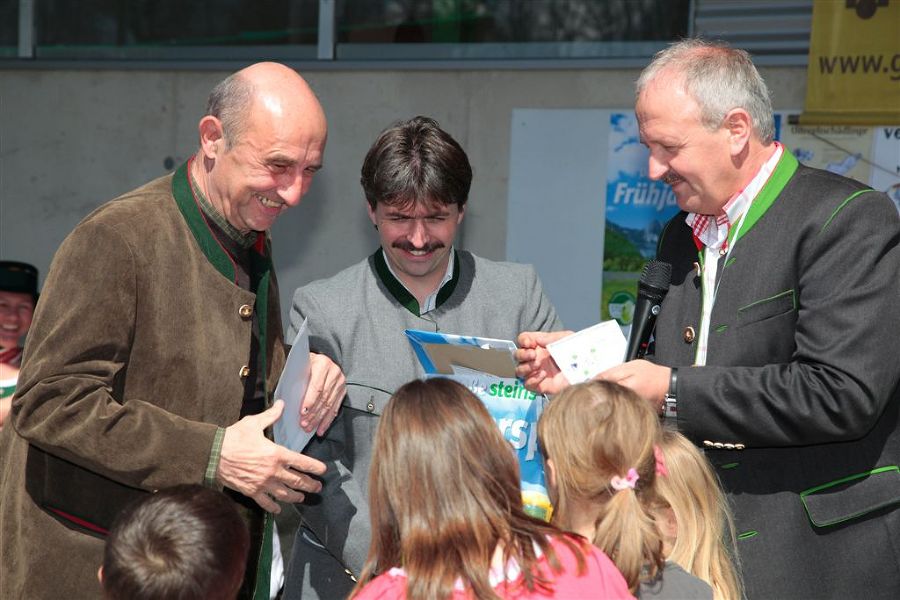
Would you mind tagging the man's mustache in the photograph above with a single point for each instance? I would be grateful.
(409, 247)
(672, 178)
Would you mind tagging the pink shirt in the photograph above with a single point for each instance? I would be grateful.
(601, 579)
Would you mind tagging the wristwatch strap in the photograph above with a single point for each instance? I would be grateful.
(670, 402)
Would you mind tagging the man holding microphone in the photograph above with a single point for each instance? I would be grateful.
(775, 345)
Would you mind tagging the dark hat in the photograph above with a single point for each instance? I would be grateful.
(18, 277)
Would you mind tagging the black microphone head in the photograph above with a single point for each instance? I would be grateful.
(655, 279)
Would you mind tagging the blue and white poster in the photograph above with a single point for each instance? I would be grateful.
(637, 208)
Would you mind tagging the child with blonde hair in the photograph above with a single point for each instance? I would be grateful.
(698, 531)
(598, 440)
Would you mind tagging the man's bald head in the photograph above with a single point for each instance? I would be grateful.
(260, 145)
(274, 85)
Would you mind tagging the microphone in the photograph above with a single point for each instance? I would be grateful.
(652, 288)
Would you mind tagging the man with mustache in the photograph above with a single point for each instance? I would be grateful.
(416, 180)
(157, 345)
(775, 347)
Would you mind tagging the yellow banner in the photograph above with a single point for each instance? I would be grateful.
(853, 76)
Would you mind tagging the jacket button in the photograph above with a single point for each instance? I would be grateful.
(739, 446)
(245, 311)
(718, 445)
(729, 446)
(689, 335)
(370, 407)
(245, 371)
(707, 443)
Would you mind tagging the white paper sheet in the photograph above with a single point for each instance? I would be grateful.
(291, 388)
(590, 351)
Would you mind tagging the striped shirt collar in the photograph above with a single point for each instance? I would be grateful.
(712, 230)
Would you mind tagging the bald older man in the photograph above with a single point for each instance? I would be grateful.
(157, 345)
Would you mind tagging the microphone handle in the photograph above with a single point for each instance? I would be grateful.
(642, 326)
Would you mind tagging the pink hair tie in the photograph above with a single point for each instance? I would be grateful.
(661, 469)
(629, 481)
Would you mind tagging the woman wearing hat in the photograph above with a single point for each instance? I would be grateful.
(18, 295)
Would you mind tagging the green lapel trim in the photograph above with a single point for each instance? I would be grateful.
(783, 172)
(401, 294)
(260, 257)
(190, 210)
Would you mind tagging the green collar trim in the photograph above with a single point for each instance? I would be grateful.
(244, 240)
(784, 170)
(399, 291)
(193, 216)
(260, 255)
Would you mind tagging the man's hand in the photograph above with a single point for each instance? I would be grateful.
(536, 367)
(649, 381)
(324, 395)
(261, 469)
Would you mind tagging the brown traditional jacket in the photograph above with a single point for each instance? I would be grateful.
(135, 358)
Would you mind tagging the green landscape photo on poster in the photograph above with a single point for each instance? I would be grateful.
(637, 208)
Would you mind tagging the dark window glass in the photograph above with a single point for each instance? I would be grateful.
(9, 27)
(119, 23)
(503, 21)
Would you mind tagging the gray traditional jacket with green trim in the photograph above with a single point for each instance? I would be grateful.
(801, 387)
(358, 319)
(133, 362)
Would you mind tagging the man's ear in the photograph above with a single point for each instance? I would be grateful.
(371, 212)
(100, 574)
(462, 213)
(739, 125)
(212, 137)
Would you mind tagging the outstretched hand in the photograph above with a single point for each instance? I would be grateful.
(535, 365)
(261, 469)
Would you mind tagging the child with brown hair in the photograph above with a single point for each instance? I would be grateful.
(698, 531)
(598, 440)
(447, 514)
(183, 542)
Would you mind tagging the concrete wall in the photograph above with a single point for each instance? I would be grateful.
(72, 139)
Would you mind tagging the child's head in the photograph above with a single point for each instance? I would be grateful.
(444, 491)
(182, 542)
(598, 442)
(695, 517)
(440, 456)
